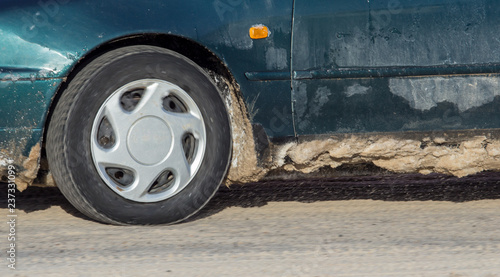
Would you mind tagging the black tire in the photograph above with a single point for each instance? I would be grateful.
(70, 141)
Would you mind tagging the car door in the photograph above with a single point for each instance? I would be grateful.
(395, 65)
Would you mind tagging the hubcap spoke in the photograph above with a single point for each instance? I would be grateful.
(146, 176)
(117, 156)
(182, 123)
(177, 163)
(151, 100)
(119, 119)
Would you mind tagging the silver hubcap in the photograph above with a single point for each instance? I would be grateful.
(154, 133)
(148, 140)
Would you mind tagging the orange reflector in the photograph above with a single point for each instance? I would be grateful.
(259, 32)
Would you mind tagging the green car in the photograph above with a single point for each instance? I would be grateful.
(139, 111)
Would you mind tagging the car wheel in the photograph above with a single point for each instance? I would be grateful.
(140, 135)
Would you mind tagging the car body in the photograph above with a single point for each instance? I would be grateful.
(406, 86)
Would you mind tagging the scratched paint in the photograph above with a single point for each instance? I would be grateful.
(464, 92)
(397, 104)
(33, 58)
(356, 89)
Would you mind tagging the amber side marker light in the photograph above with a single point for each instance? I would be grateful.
(259, 32)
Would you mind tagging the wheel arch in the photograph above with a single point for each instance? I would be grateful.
(196, 52)
(242, 130)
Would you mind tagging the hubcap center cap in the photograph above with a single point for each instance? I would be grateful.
(149, 140)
